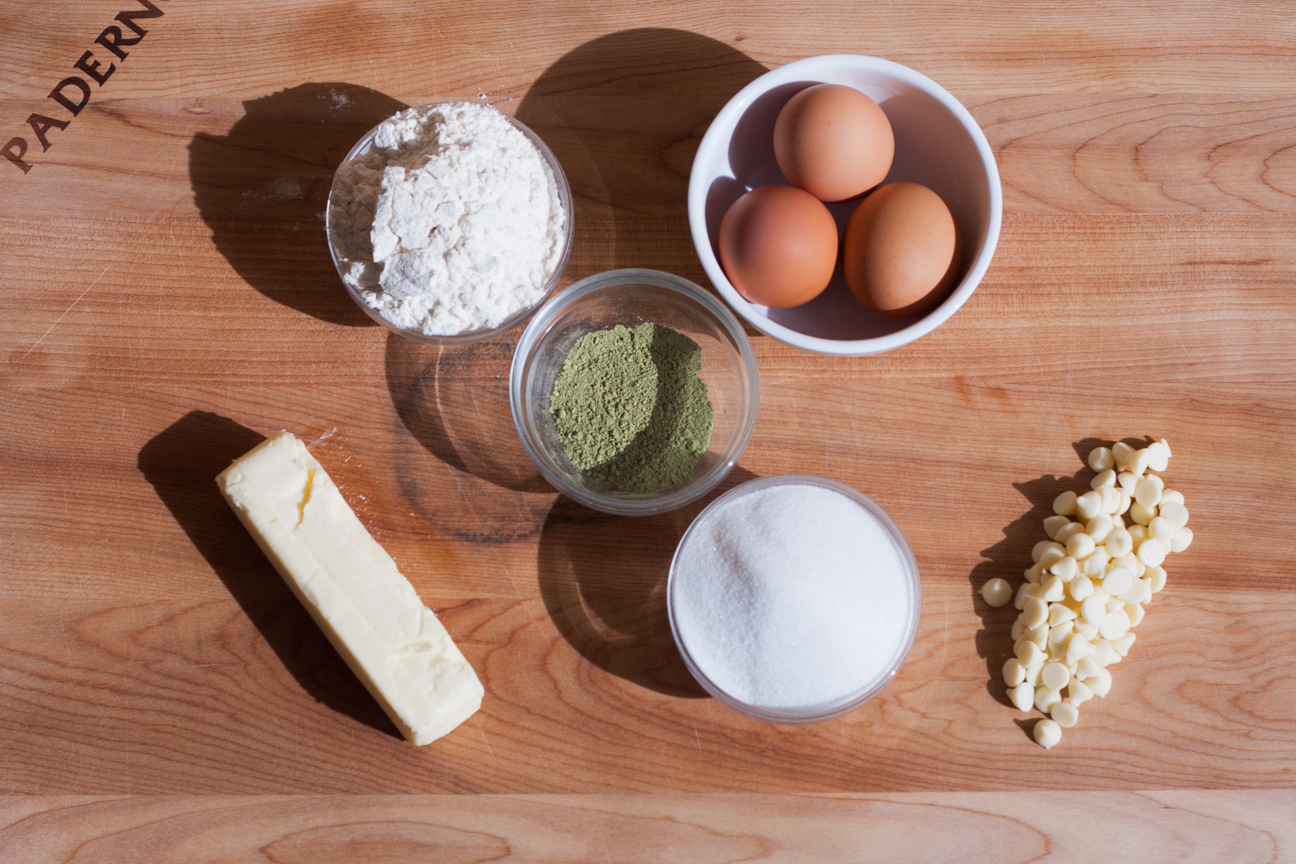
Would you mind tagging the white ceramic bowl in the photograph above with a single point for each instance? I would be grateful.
(938, 144)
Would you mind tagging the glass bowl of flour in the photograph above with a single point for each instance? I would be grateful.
(793, 598)
(449, 223)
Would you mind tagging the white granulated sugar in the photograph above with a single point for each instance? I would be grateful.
(450, 222)
(792, 597)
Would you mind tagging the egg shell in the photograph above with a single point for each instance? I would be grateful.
(902, 251)
(833, 141)
(778, 246)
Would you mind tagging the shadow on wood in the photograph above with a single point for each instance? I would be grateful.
(181, 463)
(1007, 560)
(262, 190)
(624, 114)
(455, 403)
(603, 580)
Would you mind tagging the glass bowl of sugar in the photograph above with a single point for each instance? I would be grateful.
(632, 299)
(793, 598)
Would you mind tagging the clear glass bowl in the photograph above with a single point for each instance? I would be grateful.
(850, 701)
(632, 297)
(564, 197)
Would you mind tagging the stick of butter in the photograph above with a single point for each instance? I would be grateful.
(352, 588)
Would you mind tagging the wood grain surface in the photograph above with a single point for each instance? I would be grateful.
(170, 300)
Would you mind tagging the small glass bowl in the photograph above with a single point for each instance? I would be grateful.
(852, 701)
(467, 337)
(632, 297)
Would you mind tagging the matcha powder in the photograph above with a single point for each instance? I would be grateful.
(630, 409)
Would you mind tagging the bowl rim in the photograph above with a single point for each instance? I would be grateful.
(806, 69)
(814, 715)
(470, 336)
(650, 503)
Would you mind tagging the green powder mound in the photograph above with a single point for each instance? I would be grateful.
(630, 409)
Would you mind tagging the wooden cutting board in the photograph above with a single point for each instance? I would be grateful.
(170, 300)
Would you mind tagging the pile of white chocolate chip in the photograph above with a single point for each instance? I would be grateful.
(1090, 582)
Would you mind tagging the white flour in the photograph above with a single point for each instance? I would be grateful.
(450, 222)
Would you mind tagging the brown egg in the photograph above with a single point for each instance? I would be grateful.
(778, 246)
(833, 141)
(901, 250)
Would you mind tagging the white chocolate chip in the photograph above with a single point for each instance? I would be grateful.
(1069, 531)
(1095, 566)
(1034, 613)
(1047, 733)
(1104, 478)
(1078, 692)
(1013, 672)
(1134, 612)
(1087, 630)
(1094, 609)
(1022, 696)
(1080, 588)
(1139, 463)
(1025, 591)
(1065, 568)
(1016, 632)
(1115, 604)
(1100, 459)
(1054, 524)
(1099, 527)
(1122, 644)
(1104, 654)
(1159, 455)
(1170, 495)
(1028, 653)
(1089, 505)
(1175, 513)
(1111, 500)
(1140, 514)
(1138, 592)
(1055, 676)
(1126, 499)
(1122, 454)
(1119, 542)
(1056, 651)
(1100, 685)
(997, 592)
(1065, 504)
(1052, 589)
(1161, 530)
(1156, 579)
(1060, 633)
(1059, 613)
(1148, 491)
(1127, 481)
(1047, 697)
(1065, 715)
(1032, 678)
(1138, 533)
(1038, 635)
(1080, 546)
(1181, 540)
(1115, 625)
(1087, 668)
(1152, 553)
(1117, 580)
